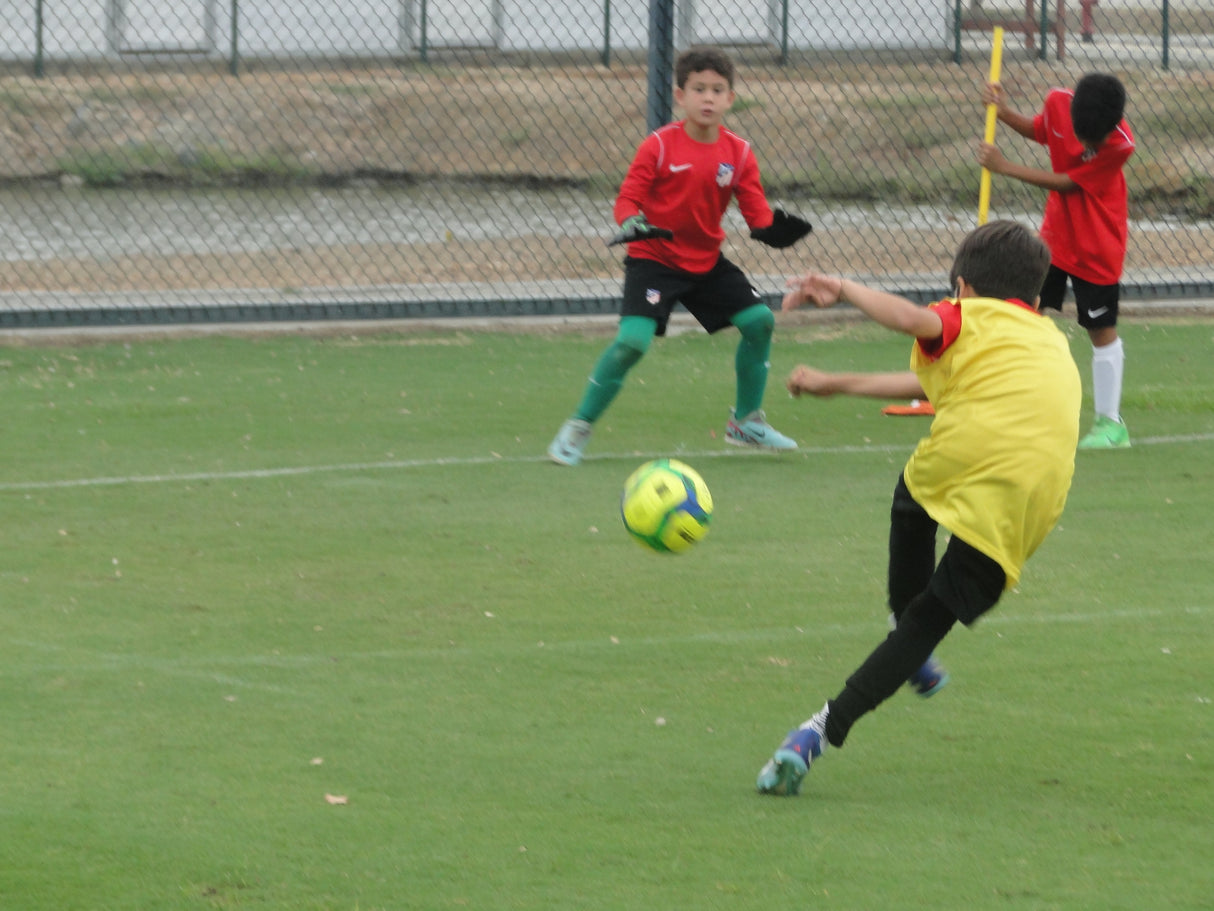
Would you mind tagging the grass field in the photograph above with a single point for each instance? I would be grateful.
(309, 623)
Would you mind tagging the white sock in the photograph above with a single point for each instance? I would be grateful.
(1108, 368)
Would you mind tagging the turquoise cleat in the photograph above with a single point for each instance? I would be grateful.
(753, 430)
(570, 442)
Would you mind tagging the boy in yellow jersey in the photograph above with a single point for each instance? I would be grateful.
(994, 470)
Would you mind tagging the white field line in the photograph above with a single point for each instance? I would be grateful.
(457, 461)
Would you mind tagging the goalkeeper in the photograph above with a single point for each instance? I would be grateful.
(669, 209)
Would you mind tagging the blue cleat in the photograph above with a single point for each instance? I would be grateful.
(929, 679)
(783, 773)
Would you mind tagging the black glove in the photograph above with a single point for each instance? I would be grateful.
(784, 230)
(636, 228)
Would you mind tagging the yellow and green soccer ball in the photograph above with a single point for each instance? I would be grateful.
(666, 506)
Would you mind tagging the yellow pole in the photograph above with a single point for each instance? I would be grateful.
(992, 117)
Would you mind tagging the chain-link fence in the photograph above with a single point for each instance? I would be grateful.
(269, 159)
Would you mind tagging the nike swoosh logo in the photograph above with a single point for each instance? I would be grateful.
(675, 168)
(1098, 312)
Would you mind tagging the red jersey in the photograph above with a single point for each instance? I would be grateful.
(686, 186)
(1085, 228)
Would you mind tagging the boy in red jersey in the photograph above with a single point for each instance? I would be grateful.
(1086, 220)
(669, 208)
(994, 470)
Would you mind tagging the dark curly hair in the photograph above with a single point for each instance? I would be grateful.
(700, 58)
(1097, 107)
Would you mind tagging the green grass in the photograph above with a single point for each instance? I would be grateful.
(241, 574)
(203, 167)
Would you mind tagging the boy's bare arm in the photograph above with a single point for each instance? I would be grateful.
(890, 310)
(806, 380)
(992, 93)
(992, 159)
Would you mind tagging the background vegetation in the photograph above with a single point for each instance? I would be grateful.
(475, 167)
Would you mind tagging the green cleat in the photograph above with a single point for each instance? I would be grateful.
(1106, 433)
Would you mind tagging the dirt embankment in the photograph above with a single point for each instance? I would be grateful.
(841, 127)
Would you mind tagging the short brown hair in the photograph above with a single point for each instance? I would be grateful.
(1002, 259)
(700, 58)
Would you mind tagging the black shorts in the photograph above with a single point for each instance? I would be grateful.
(1095, 304)
(713, 297)
(966, 580)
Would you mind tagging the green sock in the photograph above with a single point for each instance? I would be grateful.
(751, 360)
(630, 345)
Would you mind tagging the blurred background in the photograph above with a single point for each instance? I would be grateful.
(262, 159)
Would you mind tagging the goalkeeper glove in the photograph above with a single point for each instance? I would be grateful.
(637, 228)
(784, 230)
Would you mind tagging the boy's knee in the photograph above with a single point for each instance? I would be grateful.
(633, 340)
(926, 616)
(757, 322)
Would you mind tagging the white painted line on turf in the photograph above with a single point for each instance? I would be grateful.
(399, 464)
(403, 464)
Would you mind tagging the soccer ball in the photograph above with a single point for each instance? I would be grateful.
(666, 506)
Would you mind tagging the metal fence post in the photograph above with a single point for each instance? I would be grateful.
(1044, 51)
(957, 31)
(661, 62)
(39, 69)
(606, 55)
(425, 48)
(234, 57)
(783, 32)
(1165, 27)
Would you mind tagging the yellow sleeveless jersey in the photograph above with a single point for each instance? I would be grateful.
(997, 465)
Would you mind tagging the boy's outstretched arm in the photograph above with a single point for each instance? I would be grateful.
(890, 310)
(808, 381)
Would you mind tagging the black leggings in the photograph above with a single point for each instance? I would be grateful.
(926, 599)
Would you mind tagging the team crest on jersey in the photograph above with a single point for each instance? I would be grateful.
(724, 174)
(653, 296)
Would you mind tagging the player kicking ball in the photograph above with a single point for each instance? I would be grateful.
(994, 470)
(669, 209)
